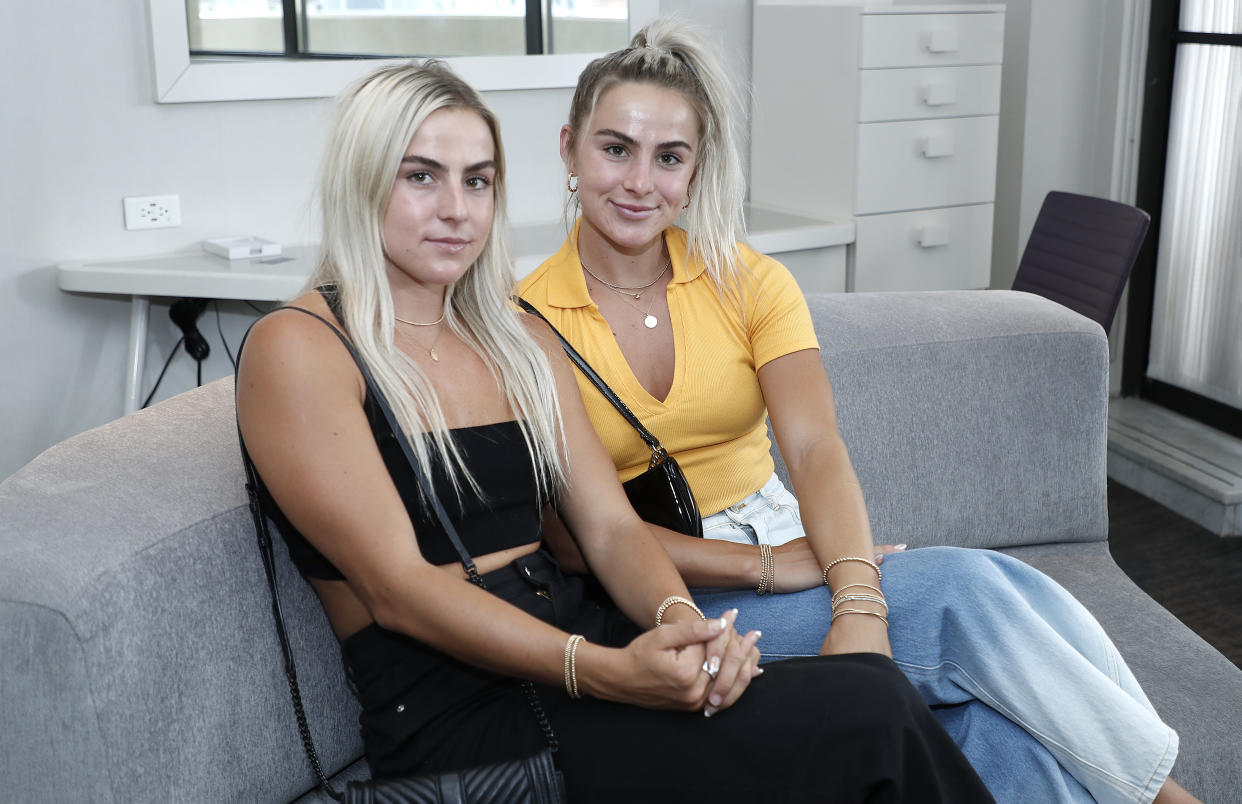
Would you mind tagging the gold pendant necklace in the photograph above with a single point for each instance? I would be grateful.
(431, 350)
(649, 320)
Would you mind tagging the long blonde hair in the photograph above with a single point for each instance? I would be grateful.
(374, 121)
(668, 53)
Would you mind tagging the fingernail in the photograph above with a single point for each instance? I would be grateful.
(899, 546)
(758, 634)
(708, 711)
(760, 669)
(715, 700)
(723, 622)
(714, 666)
(879, 558)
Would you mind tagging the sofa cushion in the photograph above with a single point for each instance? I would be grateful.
(973, 418)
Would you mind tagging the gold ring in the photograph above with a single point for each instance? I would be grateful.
(707, 669)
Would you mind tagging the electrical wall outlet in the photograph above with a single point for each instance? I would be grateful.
(152, 211)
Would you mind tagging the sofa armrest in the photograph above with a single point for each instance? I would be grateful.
(973, 418)
(140, 661)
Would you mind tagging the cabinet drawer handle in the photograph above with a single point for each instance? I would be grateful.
(942, 41)
(932, 235)
(939, 94)
(937, 146)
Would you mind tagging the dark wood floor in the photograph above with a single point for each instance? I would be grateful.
(1190, 571)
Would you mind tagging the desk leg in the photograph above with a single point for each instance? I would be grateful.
(139, 312)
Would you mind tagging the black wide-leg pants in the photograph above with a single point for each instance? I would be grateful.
(831, 728)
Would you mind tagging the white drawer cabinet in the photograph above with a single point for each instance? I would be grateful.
(887, 114)
(911, 94)
(894, 37)
(930, 249)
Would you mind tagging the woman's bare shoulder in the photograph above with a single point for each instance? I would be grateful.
(292, 350)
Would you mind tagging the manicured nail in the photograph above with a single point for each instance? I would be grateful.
(899, 546)
(715, 700)
(879, 558)
(760, 670)
(708, 711)
(713, 666)
(723, 622)
(758, 634)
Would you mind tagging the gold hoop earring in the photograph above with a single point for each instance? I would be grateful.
(571, 184)
(687, 204)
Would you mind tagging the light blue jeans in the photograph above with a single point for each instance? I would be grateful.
(1000, 643)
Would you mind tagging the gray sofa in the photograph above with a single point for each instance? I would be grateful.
(138, 660)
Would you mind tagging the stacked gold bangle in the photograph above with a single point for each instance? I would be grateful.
(767, 570)
(672, 600)
(571, 666)
(878, 575)
(869, 593)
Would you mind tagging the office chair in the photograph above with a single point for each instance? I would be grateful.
(1080, 253)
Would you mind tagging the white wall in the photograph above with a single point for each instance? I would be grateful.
(1059, 106)
(1071, 74)
(80, 130)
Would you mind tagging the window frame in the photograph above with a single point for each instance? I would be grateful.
(180, 79)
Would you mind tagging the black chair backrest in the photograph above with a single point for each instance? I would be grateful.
(1080, 253)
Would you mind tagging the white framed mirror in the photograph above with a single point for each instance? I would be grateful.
(181, 79)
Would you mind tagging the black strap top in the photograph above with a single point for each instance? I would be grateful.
(505, 514)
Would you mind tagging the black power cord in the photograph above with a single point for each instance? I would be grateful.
(163, 371)
(184, 313)
(215, 304)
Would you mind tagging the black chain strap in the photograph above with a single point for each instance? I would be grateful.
(658, 453)
(269, 569)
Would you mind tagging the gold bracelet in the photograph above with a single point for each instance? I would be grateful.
(673, 600)
(571, 666)
(837, 601)
(837, 614)
(767, 570)
(875, 589)
(878, 575)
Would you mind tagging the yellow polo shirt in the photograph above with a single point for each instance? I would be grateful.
(713, 420)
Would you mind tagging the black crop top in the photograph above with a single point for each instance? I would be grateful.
(505, 515)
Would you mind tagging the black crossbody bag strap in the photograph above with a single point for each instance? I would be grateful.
(578, 360)
(269, 561)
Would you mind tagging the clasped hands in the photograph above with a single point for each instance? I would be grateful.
(693, 664)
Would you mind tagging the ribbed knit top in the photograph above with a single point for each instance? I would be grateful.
(713, 419)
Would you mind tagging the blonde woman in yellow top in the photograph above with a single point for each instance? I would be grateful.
(704, 339)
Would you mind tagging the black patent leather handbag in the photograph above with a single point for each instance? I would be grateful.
(660, 495)
(529, 780)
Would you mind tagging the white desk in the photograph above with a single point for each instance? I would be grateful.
(193, 274)
(197, 274)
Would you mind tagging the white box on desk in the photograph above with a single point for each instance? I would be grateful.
(241, 248)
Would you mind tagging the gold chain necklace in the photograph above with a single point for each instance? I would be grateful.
(628, 290)
(431, 350)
